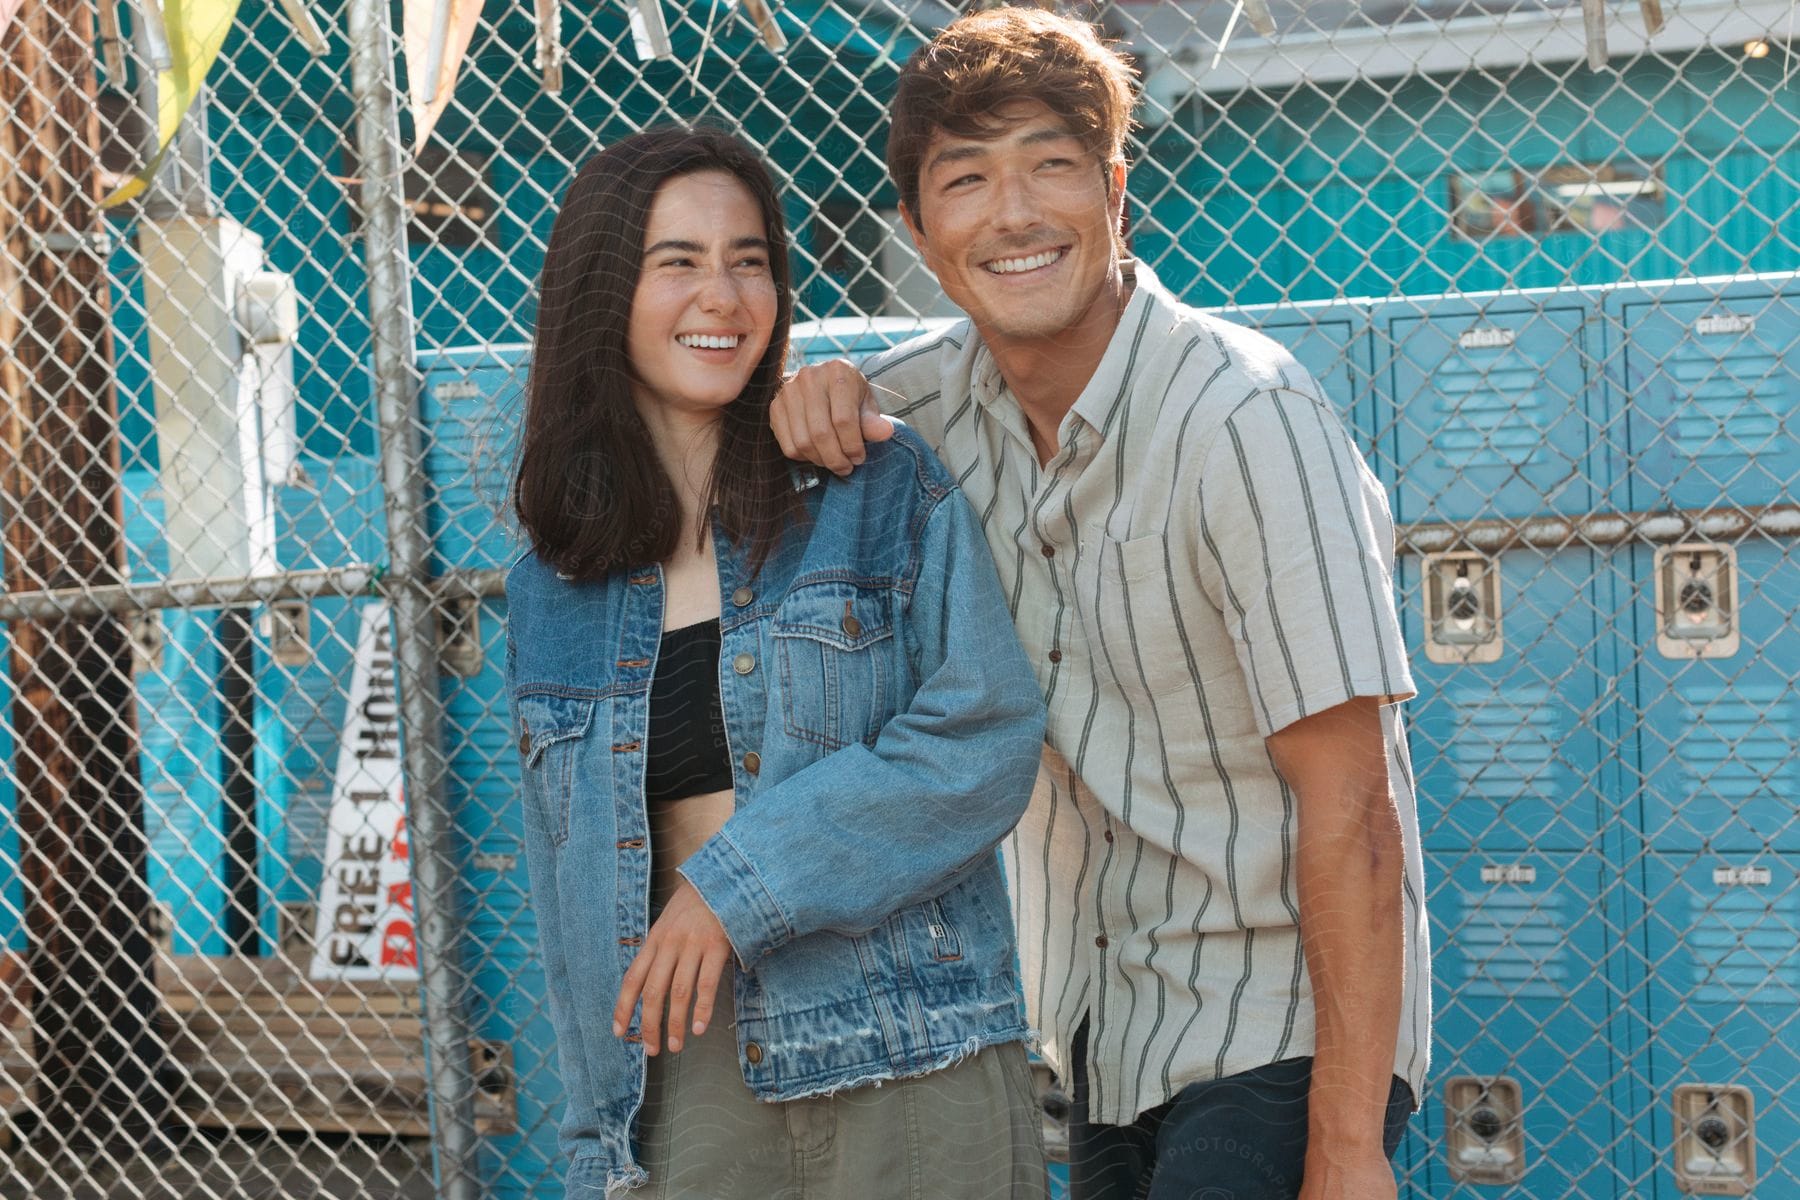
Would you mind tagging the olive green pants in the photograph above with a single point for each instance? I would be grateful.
(972, 1131)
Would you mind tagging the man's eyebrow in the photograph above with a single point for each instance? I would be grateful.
(743, 243)
(968, 150)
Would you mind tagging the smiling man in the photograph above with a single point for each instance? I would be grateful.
(1218, 885)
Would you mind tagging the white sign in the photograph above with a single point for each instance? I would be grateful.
(365, 922)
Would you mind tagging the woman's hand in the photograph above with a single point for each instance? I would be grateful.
(682, 960)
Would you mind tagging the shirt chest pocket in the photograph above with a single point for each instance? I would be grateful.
(1140, 638)
(837, 653)
(552, 730)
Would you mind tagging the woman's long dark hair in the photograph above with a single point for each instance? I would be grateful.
(590, 492)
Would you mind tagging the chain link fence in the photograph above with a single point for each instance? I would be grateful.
(258, 423)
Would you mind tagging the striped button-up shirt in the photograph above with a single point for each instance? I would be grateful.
(1204, 559)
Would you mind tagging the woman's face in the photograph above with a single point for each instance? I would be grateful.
(705, 302)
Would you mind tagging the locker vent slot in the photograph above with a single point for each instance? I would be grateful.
(1738, 744)
(1515, 943)
(1741, 946)
(1731, 400)
(1508, 747)
(1492, 409)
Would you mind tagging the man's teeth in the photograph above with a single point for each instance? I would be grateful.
(1012, 266)
(707, 341)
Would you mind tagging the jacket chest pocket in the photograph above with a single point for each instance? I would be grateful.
(835, 646)
(551, 732)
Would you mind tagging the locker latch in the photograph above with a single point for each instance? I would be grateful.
(460, 645)
(1715, 1139)
(288, 624)
(1484, 1115)
(148, 641)
(1696, 601)
(1462, 608)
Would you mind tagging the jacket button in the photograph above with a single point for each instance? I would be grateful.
(753, 1052)
(753, 762)
(742, 596)
(743, 664)
(1100, 941)
(525, 743)
(852, 626)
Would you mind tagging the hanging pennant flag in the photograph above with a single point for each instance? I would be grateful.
(436, 36)
(307, 29)
(549, 44)
(184, 37)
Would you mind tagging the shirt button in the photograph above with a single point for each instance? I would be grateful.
(852, 627)
(753, 1052)
(525, 743)
(1056, 656)
(1100, 941)
(1109, 836)
(753, 762)
(743, 664)
(1049, 550)
(742, 596)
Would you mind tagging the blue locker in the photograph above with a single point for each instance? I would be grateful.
(507, 998)
(1706, 378)
(1509, 755)
(472, 402)
(1525, 987)
(1721, 997)
(1716, 739)
(1332, 342)
(1490, 411)
(1711, 394)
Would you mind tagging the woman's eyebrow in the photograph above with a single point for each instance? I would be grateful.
(685, 247)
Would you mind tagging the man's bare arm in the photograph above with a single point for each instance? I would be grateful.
(1351, 868)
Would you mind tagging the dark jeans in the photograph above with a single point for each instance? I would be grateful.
(1238, 1138)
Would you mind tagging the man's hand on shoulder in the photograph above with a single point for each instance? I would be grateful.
(825, 413)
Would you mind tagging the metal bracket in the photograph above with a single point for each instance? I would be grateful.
(148, 641)
(1462, 608)
(460, 643)
(288, 624)
(1696, 601)
(1485, 1140)
(1715, 1139)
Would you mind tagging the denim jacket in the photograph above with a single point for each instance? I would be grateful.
(884, 729)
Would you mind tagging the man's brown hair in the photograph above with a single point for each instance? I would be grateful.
(992, 58)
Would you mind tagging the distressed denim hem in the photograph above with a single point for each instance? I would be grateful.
(596, 1179)
(832, 1084)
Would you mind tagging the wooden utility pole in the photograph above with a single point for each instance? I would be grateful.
(75, 766)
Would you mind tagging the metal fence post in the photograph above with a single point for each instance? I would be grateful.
(409, 592)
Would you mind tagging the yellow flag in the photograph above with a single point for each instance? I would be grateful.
(436, 35)
(196, 29)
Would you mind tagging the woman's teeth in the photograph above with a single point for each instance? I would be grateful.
(706, 341)
(1012, 266)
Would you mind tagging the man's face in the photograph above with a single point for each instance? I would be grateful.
(1019, 227)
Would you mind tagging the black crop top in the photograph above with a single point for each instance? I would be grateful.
(688, 754)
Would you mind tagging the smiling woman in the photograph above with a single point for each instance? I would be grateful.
(772, 728)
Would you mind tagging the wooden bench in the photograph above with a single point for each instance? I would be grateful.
(254, 1044)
